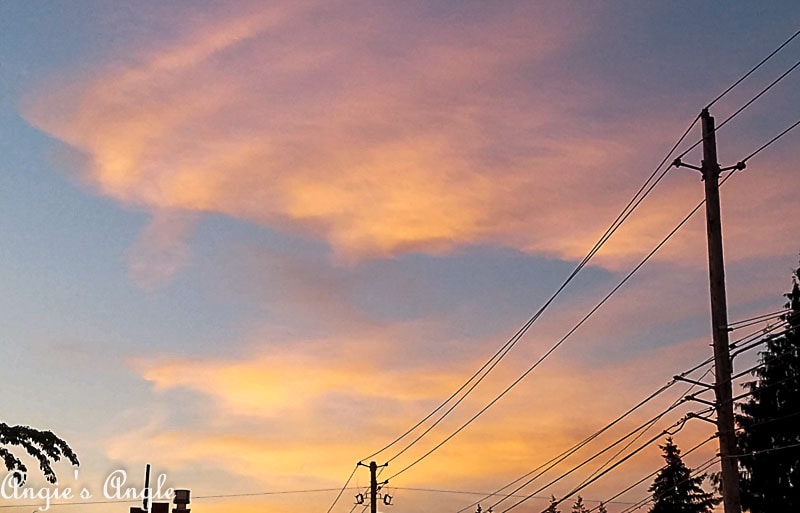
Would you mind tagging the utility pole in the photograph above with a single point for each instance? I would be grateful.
(719, 321)
(723, 387)
(374, 487)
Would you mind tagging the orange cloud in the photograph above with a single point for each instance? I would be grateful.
(375, 136)
(289, 419)
(313, 129)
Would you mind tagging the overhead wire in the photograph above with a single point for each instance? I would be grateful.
(706, 362)
(339, 495)
(632, 204)
(468, 492)
(674, 428)
(768, 421)
(570, 332)
(649, 476)
(564, 338)
(745, 106)
(623, 216)
(743, 77)
(641, 429)
(643, 432)
(752, 392)
(756, 320)
(759, 338)
(572, 450)
(697, 470)
(635, 201)
(772, 141)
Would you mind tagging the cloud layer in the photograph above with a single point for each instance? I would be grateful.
(377, 137)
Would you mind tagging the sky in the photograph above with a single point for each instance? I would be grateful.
(252, 243)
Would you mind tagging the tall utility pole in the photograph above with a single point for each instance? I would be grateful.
(723, 388)
(719, 320)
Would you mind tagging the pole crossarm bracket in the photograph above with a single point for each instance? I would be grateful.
(679, 163)
(698, 383)
(738, 166)
(360, 464)
(694, 397)
(692, 415)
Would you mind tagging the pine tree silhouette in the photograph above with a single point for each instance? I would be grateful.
(553, 507)
(675, 490)
(770, 478)
(579, 507)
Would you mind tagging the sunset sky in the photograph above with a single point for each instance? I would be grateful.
(251, 243)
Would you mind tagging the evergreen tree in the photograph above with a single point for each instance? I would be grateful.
(769, 424)
(579, 507)
(44, 446)
(675, 490)
(553, 507)
(601, 508)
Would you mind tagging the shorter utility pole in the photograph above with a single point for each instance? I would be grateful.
(374, 484)
(373, 487)
(711, 170)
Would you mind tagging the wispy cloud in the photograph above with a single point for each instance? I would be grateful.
(376, 136)
(284, 416)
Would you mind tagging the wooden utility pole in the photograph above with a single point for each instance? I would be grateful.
(719, 321)
(373, 487)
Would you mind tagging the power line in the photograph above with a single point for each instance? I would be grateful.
(649, 476)
(641, 434)
(700, 468)
(767, 422)
(339, 495)
(677, 427)
(569, 452)
(764, 451)
(561, 341)
(649, 423)
(569, 333)
(643, 428)
(771, 141)
(468, 492)
(752, 392)
(756, 320)
(743, 107)
(761, 337)
(634, 202)
(503, 351)
(565, 454)
(686, 218)
(740, 80)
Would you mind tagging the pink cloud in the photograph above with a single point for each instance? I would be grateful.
(381, 135)
(321, 131)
